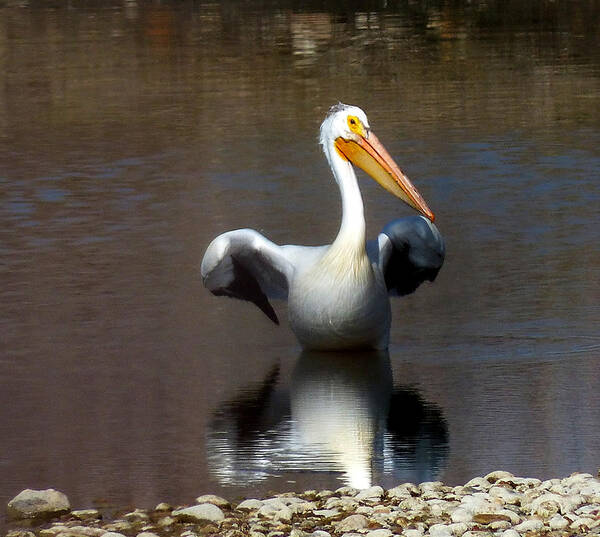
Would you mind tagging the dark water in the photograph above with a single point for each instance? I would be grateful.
(132, 133)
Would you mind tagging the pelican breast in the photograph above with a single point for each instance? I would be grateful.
(341, 301)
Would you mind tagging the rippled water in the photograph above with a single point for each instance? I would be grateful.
(131, 134)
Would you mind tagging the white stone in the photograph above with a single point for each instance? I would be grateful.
(478, 482)
(166, 521)
(400, 491)
(505, 495)
(533, 524)
(85, 530)
(382, 532)
(86, 514)
(440, 530)
(558, 522)
(204, 512)
(372, 493)
(492, 477)
(38, 504)
(412, 504)
(412, 533)
(215, 500)
(112, 534)
(577, 478)
(429, 486)
(320, 533)
(250, 505)
(326, 512)
(347, 491)
(352, 523)
(277, 510)
(583, 524)
(461, 515)
(511, 533)
(147, 534)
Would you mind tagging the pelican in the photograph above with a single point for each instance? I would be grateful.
(338, 294)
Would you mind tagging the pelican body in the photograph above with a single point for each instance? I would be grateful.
(338, 294)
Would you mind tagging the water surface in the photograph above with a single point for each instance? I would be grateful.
(131, 134)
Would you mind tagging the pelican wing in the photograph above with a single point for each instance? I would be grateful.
(244, 264)
(411, 250)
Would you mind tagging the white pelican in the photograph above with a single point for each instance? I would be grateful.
(338, 295)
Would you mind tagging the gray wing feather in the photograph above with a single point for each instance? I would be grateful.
(244, 264)
(411, 250)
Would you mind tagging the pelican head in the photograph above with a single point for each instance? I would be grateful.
(346, 130)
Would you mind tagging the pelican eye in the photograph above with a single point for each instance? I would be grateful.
(355, 125)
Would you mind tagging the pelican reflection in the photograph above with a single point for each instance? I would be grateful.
(340, 413)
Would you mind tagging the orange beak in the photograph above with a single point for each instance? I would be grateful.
(369, 154)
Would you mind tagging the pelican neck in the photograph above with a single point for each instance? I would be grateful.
(352, 227)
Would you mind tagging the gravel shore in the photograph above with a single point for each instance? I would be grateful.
(498, 504)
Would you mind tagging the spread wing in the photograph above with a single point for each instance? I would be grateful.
(244, 264)
(411, 250)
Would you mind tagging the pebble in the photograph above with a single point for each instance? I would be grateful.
(498, 504)
(250, 505)
(86, 514)
(215, 500)
(352, 523)
(205, 512)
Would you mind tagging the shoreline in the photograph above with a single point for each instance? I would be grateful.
(498, 504)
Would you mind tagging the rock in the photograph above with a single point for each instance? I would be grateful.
(112, 534)
(147, 534)
(320, 533)
(412, 533)
(488, 518)
(250, 505)
(41, 504)
(166, 521)
(118, 526)
(499, 525)
(86, 514)
(478, 483)
(382, 532)
(558, 522)
(533, 524)
(137, 514)
(440, 530)
(505, 495)
(492, 477)
(352, 523)
(162, 506)
(461, 515)
(583, 525)
(55, 529)
(403, 491)
(327, 513)
(205, 512)
(20, 533)
(215, 500)
(347, 491)
(370, 494)
(83, 531)
(276, 509)
(511, 533)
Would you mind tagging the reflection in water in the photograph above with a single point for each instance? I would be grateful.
(341, 415)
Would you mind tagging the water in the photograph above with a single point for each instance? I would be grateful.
(131, 134)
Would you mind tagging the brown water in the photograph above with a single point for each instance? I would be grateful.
(132, 133)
